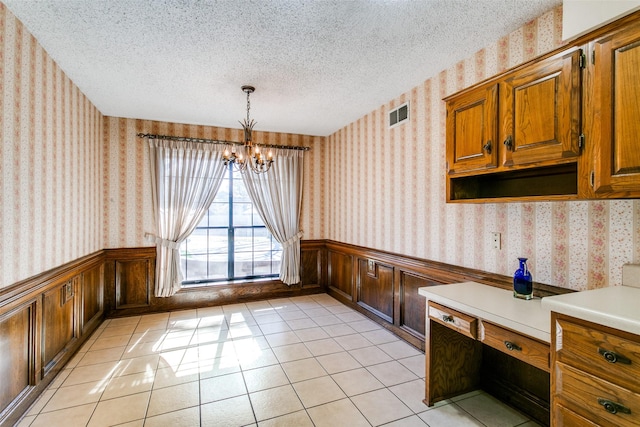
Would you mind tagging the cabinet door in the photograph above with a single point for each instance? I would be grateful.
(616, 114)
(472, 131)
(540, 111)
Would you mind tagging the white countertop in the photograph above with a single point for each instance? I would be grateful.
(617, 307)
(494, 305)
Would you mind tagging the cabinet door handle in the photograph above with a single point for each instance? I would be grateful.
(613, 407)
(512, 346)
(612, 357)
(509, 143)
(447, 318)
(487, 147)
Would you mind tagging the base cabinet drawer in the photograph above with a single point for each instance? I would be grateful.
(528, 350)
(459, 322)
(596, 399)
(564, 417)
(601, 353)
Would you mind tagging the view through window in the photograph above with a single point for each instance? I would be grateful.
(231, 242)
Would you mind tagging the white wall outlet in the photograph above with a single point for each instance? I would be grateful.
(495, 240)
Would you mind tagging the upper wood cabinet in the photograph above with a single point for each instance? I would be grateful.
(612, 115)
(472, 131)
(540, 111)
(501, 134)
(568, 125)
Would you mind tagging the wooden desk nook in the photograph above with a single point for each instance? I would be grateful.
(470, 327)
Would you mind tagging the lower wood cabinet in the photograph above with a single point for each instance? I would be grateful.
(465, 353)
(594, 377)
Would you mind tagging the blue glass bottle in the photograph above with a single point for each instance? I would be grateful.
(522, 281)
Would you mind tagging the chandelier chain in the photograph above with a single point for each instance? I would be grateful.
(248, 104)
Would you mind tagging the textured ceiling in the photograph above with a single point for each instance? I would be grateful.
(317, 65)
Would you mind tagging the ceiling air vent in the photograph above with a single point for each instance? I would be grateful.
(399, 115)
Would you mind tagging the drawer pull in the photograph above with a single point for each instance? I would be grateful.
(613, 407)
(512, 346)
(612, 357)
(447, 318)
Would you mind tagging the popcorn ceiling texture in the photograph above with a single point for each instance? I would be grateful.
(317, 65)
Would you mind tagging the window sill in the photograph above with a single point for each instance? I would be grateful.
(229, 283)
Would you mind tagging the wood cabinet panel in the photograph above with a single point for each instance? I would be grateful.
(472, 131)
(533, 352)
(605, 353)
(459, 322)
(340, 270)
(567, 418)
(92, 306)
(310, 266)
(15, 359)
(452, 363)
(540, 112)
(58, 321)
(375, 288)
(133, 281)
(412, 306)
(615, 119)
(594, 372)
(589, 396)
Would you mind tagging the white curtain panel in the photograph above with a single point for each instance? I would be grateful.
(277, 196)
(185, 178)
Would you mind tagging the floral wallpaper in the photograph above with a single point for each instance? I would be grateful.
(128, 213)
(386, 188)
(50, 160)
(73, 181)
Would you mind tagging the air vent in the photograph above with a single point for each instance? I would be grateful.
(399, 115)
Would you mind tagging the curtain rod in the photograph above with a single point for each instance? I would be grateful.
(216, 141)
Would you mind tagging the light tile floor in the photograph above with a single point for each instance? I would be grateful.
(303, 361)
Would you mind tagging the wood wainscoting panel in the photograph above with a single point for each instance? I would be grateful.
(375, 288)
(312, 263)
(58, 322)
(129, 280)
(17, 339)
(340, 272)
(411, 306)
(92, 307)
(43, 321)
(133, 282)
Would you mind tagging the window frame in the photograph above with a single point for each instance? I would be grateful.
(231, 241)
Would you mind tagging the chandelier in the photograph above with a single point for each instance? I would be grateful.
(249, 156)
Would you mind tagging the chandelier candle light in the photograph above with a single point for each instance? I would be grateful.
(249, 154)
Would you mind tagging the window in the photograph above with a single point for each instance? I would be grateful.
(231, 242)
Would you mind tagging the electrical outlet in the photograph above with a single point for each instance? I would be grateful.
(495, 240)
